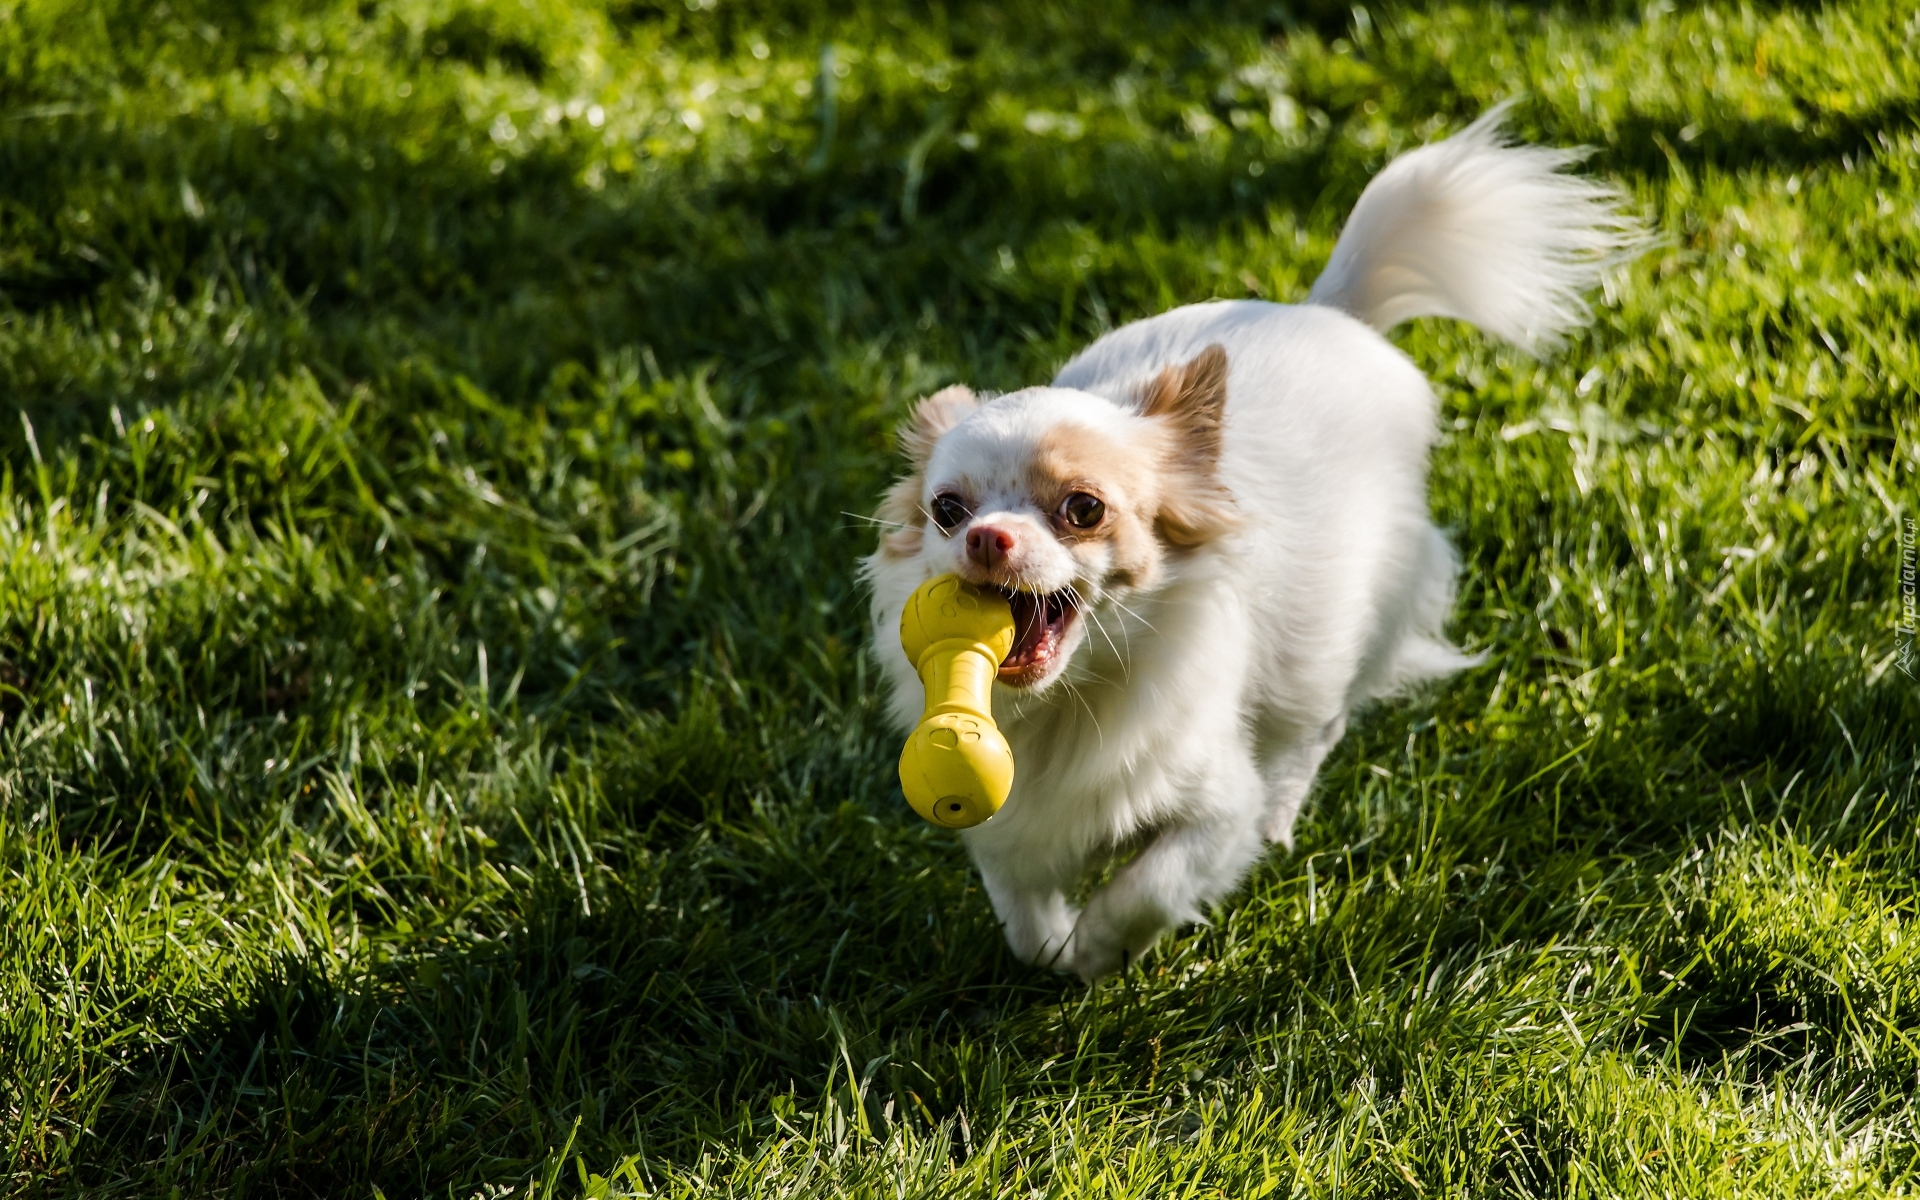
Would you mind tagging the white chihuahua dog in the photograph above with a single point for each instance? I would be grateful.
(1213, 530)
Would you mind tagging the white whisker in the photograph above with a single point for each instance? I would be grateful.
(1091, 715)
(1136, 616)
(1094, 618)
(876, 520)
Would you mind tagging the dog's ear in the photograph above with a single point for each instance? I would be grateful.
(1191, 400)
(1191, 397)
(900, 509)
(932, 417)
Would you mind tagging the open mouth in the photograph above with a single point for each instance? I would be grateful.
(1040, 624)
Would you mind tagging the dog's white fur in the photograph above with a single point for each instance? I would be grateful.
(1211, 668)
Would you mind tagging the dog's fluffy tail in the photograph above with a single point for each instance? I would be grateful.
(1480, 229)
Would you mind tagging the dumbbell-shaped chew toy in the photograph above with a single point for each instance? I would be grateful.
(956, 769)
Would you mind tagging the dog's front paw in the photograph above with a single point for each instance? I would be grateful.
(1050, 950)
(1106, 943)
(1096, 957)
(1040, 932)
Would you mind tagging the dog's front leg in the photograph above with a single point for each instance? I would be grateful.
(1187, 867)
(1032, 908)
(1289, 768)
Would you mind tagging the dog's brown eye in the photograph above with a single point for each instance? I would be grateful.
(1082, 511)
(948, 510)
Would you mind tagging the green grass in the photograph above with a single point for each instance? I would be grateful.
(438, 756)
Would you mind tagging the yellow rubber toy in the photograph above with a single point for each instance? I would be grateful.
(956, 769)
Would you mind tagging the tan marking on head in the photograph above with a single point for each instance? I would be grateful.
(1189, 401)
(1123, 475)
(932, 418)
(900, 514)
(900, 509)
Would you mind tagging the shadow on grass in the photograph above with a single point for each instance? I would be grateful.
(639, 1027)
(1729, 142)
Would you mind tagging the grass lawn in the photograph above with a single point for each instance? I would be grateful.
(437, 752)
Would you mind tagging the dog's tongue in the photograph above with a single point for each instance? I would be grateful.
(1038, 622)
